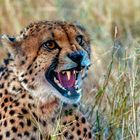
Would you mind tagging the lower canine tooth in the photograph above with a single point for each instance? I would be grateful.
(83, 73)
(59, 84)
(69, 93)
(79, 90)
(63, 72)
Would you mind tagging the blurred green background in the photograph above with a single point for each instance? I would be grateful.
(111, 92)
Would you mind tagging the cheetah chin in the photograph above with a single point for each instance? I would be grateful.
(67, 82)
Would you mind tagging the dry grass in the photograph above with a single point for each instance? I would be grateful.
(114, 77)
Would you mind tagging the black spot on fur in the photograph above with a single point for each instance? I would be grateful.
(71, 137)
(7, 134)
(1, 68)
(23, 96)
(26, 133)
(11, 99)
(22, 75)
(1, 85)
(6, 76)
(2, 105)
(78, 132)
(5, 109)
(83, 120)
(12, 112)
(85, 130)
(28, 122)
(0, 95)
(65, 133)
(14, 129)
(24, 111)
(77, 118)
(17, 104)
(30, 97)
(22, 62)
(19, 135)
(34, 129)
(25, 81)
(35, 116)
(77, 124)
(73, 128)
(33, 138)
(30, 72)
(1, 137)
(6, 100)
(5, 123)
(64, 123)
(12, 121)
(21, 124)
(29, 67)
(89, 135)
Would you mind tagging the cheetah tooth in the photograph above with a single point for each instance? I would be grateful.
(74, 73)
(68, 74)
(83, 73)
(79, 91)
(55, 80)
(69, 93)
(63, 72)
(76, 88)
(59, 84)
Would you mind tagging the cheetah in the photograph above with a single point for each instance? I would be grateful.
(41, 83)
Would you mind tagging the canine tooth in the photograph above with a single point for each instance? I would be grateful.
(63, 72)
(74, 72)
(59, 84)
(76, 88)
(68, 75)
(56, 81)
(79, 91)
(69, 93)
(83, 73)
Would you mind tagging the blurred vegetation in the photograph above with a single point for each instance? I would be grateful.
(111, 93)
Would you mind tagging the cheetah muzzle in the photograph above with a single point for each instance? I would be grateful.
(68, 81)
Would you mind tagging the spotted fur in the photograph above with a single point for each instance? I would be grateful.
(30, 108)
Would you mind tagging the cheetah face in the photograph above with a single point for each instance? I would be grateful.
(52, 58)
(68, 80)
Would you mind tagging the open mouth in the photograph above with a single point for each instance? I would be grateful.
(67, 82)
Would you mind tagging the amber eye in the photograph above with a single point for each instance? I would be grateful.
(80, 40)
(50, 44)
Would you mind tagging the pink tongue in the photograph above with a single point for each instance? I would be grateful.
(64, 81)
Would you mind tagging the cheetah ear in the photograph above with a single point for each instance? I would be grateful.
(11, 44)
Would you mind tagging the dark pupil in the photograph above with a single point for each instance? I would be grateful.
(49, 43)
(80, 40)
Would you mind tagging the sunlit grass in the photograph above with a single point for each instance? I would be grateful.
(111, 93)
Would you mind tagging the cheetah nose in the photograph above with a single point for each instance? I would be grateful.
(80, 57)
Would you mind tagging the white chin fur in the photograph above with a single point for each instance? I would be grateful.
(46, 91)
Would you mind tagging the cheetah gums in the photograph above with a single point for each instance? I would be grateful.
(40, 83)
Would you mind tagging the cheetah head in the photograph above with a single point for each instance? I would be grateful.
(51, 59)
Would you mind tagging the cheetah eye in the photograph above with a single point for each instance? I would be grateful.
(80, 40)
(50, 44)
